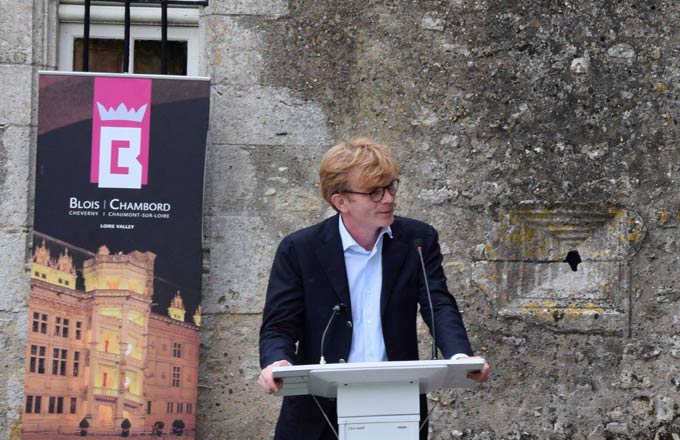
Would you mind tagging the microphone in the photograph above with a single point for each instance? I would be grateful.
(337, 309)
(418, 243)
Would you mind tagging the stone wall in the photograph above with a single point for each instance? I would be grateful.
(526, 129)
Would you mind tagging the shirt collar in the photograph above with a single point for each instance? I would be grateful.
(348, 241)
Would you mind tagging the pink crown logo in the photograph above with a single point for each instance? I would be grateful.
(122, 113)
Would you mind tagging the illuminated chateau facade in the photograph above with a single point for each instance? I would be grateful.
(100, 353)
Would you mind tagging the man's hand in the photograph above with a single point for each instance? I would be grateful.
(266, 380)
(483, 374)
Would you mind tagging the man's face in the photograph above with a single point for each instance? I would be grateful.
(359, 211)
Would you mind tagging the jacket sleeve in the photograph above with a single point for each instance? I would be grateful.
(283, 315)
(450, 331)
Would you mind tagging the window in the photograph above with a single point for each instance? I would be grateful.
(106, 45)
(180, 407)
(148, 407)
(33, 404)
(176, 372)
(72, 408)
(61, 326)
(169, 408)
(57, 326)
(189, 408)
(56, 405)
(39, 323)
(76, 363)
(177, 350)
(37, 359)
(59, 356)
(79, 327)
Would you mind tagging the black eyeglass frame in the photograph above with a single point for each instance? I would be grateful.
(377, 194)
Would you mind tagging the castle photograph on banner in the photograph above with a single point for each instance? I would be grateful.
(115, 289)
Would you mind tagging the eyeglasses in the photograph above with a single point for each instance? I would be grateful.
(377, 194)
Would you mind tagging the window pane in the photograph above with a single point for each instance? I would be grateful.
(148, 57)
(106, 55)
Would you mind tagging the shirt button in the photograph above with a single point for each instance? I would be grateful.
(349, 324)
(370, 322)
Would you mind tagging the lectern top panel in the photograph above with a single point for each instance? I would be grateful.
(323, 380)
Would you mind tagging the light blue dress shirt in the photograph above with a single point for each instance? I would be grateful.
(364, 275)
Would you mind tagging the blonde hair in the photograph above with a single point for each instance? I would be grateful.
(373, 162)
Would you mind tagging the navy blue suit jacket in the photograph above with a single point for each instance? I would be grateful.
(308, 278)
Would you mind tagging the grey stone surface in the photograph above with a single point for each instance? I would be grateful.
(232, 50)
(241, 251)
(16, 42)
(265, 116)
(15, 88)
(14, 296)
(13, 346)
(249, 7)
(228, 390)
(14, 175)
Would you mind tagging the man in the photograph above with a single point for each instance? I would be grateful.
(365, 259)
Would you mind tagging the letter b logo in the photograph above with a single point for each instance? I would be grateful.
(120, 135)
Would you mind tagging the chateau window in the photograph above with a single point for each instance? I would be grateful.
(169, 408)
(56, 405)
(180, 407)
(79, 326)
(64, 328)
(177, 350)
(76, 363)
(106, 46)
(176, 373)
(72, 408)
(37, 359)
(59, 357)
(189, 408)
(148, 407)
(39, 323)
(33, 404)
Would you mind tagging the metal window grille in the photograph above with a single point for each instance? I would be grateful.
(126, 41)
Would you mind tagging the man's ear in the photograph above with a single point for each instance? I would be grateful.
(339, 202)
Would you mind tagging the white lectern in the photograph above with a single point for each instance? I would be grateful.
(377, 400)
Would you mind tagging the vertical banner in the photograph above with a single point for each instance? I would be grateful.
(115, 290)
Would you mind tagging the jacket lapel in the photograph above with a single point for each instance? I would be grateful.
(394, 253)
(332, 259)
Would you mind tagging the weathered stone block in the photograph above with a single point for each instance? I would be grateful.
(13, 346)
(232, 51)
(15, 89)
(241, 252)
(228, 383)
(566, 267)
(249, 7)
(15, 44)
(15, 144)
(265, 116)
(14, 297)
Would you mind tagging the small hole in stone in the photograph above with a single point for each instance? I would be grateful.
(573, 259)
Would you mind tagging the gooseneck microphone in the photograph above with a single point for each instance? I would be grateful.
(337, 309)
(418, 243)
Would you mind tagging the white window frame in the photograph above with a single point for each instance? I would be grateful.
(107, 22)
